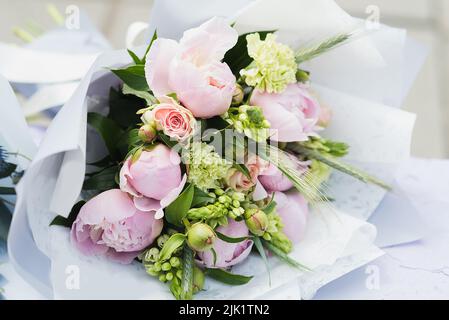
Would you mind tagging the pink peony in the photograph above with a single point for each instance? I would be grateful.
(293, 114)
(173, 119)
(109, 224)
(193, 69)
(293, 210)
(228, 254)
(273, 179)
(154, 179)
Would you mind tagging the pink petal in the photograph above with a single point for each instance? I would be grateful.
(157, 65)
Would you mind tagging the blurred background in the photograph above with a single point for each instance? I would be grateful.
(426, 20)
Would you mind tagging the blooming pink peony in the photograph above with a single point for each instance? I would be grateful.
(293, 114)
(154, 179)
(228, 254)
(193, 69)
(293, 210)
(174, 120)
(109, 224)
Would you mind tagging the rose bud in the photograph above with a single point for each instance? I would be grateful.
(256, 221)
(147, 133)
(201, 237)
(238, 96)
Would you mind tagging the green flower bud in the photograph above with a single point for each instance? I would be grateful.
(236, 203)
(169, 276)
(151, 255)
(239, 196)
(179, 274)
(147, 133)
(175, 262)
(198, 279)
(157, 267)
(238, 95)
(162, 278)
(150, 270)
(256, 221)
(201, 237)
(162, 239)
(166, 266)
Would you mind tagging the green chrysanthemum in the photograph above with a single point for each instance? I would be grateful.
(206, 167)
(274, 66)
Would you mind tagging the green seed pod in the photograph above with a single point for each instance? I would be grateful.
(201, 237)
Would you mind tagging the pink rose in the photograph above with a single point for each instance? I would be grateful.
(154, 179)
(293, 210)
(174, 120)
(239, 181)
(110, 225)
(228, 254)
(193, 69)
(293, 114)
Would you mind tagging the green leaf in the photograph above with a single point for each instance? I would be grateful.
(201, 198)
(133, 76)
(261, 250)
(123, 108)
(284, 257)
(5, 221)
(67, 222)
(6, 169)
(153, 38)
(135, 58)
(187, 273)
(7, 191)
(214, 254)
(227, 277)
(145, 95)
(178, 209)
(102, 180)
(166, 140)
(109, 131)
(173, 243)
(238, 58)
(227, 239)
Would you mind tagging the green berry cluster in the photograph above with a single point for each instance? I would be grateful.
(165, 270)
(226, 204)
(250, 121)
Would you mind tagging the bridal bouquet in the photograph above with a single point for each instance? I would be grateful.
(214, 152)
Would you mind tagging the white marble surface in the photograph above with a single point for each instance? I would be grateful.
(419, 270)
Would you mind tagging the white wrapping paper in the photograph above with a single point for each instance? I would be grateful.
(336, 242)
